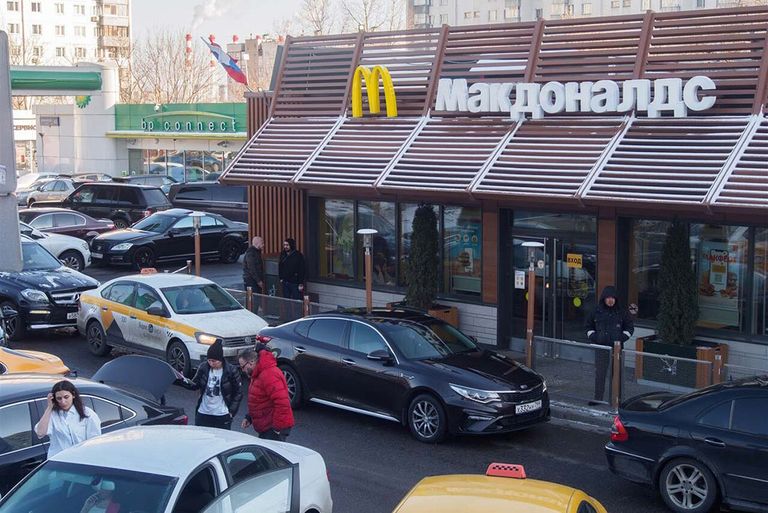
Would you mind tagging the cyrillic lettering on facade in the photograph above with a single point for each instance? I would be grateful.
(527, 102)
(691, 93)
(578, 96)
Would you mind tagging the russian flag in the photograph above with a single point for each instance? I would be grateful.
(230, 64)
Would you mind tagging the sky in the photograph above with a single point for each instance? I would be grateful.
(223, 18)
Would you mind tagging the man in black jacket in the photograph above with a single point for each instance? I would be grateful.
(291, 270)
(608, 323)
(253, 269)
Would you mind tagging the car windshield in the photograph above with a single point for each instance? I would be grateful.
(35, 258)
(197, 299)
(427, 340)
(157, 223)
(72, 488)
(155, 197)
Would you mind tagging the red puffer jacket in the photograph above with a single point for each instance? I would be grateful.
(268, 402)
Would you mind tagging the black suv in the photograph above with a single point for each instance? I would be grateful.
(230, 201)
(123, 203)
(45, 293)
(409, 368)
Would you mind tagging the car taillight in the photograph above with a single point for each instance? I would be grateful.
(618, 431)
(263, 339)
(111, 226)
(182, 420)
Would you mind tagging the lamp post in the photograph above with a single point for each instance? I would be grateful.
(368, 234)
(532, 246)
(196, 224)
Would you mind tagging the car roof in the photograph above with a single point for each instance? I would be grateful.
(119, 184)
(472, 493)
(162, 280)
(166, 450)
(23, 385)
(49, 210)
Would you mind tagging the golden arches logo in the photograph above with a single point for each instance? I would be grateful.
(371, 78)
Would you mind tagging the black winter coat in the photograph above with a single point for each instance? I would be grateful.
(231, 385)
(253, 266)
(291, 267)
(606, 325)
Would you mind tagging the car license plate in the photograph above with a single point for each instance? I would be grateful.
(528, 407)
(96, 255)
(71, 316)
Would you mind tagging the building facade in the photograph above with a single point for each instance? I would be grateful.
(434, 13)
(256, 57)
(586, 138)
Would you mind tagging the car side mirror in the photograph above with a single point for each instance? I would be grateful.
(381, 355)
(157, 311)
(173, 232)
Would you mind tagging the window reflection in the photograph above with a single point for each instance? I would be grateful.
(462, 250)
(336, 238)
(760, 310)
(380, 216)
(645, 248)
(407, 212)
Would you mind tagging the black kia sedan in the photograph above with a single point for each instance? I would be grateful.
(23, 402)
(169, 235)
(697, 449)
(409, 368)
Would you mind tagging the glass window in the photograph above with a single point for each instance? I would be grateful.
(122, 293)
(364, 339)
(586, 507)
(36, 258)
(645, 247)
(229, 193)
(719, 416)
(42, 222)
(270, 492)
(159, 223)
(380, 216)
(407, 212)
(16, 428)
(749, 415)
(721, 258)
(247, 463)
(185, 223)
(108, 413)
(68, 220)
(195, 299)
(147, 298)
(462, 250)
(302, 328)
(154, 198)
(328, 331)
(586, 9)
(760, 294)
(193, 193)
(336, 238)
(555, 221)
(434, 340)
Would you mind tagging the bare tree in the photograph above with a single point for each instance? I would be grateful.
(367, 15)
(316, 17)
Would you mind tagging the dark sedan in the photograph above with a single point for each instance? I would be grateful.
(697, 449)
(66, 222)
(23, 401)
(409, 368)
(169, 235)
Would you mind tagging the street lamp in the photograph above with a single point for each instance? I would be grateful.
(196, 216)
(532, 247)
(368, 234)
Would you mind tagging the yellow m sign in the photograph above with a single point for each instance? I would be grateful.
(371, 78)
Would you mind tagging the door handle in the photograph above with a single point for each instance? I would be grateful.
(133, 316)
(347, 361)
(104, 308)
(714, 442)
(300, 349)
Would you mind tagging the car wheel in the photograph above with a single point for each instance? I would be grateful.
(292, 380)
(178, 358)
(73, 259)
(97, 339)
(120, 223)
(143, 257)
(427, 419)
(230, 252)
(15, 327)
(687, 486)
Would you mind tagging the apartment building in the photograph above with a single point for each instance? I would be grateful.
(434, 13)
(62, 32)
(256, 56)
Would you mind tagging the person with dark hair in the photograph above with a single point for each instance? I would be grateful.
(66, 420)
(221, 390)
(269, 405)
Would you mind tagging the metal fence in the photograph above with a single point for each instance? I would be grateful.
(278, 310)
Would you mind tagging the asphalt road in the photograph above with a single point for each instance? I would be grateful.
(372, 463)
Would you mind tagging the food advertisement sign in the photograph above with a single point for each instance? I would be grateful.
(719, 280)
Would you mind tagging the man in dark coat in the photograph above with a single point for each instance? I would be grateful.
(291, 269)
(253, 269)
(269, 405)
(610, 322)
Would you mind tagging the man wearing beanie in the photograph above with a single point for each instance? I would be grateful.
(220, 386)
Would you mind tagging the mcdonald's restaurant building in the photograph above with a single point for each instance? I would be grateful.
(587, 136)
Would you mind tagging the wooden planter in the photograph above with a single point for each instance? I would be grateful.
(449, 314)
(680, 373)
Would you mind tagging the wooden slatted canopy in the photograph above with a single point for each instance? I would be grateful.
(714, 158)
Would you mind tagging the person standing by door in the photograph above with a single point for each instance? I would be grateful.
(253, 270)
(291, 270)
(66, 420)
(610, 322)
(221, 390)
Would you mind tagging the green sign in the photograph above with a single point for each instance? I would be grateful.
(195, 118)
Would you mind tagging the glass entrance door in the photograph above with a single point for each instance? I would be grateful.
(565, 272)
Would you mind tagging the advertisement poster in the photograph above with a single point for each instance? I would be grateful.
(719, 280)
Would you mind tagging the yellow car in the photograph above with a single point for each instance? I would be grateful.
(504, 487)
(12, 361)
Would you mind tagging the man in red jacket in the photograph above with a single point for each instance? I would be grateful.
(269, 406)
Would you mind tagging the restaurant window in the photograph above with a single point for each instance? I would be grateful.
(407, 211)
(380, 216)
(645, 247)
(336, 238)
(555, 221)
(462, 250)
(721, 260)
(760, 287)
(586, 9)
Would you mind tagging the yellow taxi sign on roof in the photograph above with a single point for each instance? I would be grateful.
(149, 270)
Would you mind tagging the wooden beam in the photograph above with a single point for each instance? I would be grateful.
(761, 92)
(533, 57)
(352, 67)
(644, 46)
(437, 65)
(280, 73)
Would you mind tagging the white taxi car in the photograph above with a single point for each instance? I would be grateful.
(174, 316)
(176, 469)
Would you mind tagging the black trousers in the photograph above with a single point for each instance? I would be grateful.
(214, 421)
(271, 434)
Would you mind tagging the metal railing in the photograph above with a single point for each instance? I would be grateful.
(278, 310)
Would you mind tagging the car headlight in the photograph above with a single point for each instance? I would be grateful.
(34, 296)
(205, 338)
(125, 246)
(474, 394)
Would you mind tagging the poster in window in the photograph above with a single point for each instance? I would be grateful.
(719, 280)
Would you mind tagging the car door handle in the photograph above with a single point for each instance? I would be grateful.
(104, 308)
(300, 349)
(714, 442)
(133, 316)
(347, 361)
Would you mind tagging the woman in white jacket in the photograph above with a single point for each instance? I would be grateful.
(66, 421)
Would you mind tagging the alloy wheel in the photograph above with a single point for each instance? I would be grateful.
(686, 486)
(177, 358)
(94, 337)
(72, 262)
(425, 419)
(290, 381)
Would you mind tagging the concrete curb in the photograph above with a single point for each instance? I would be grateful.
(581, 417)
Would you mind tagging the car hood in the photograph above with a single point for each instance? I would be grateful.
(62, 278)
(486, 369)
(128, 234)
(236, 323)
